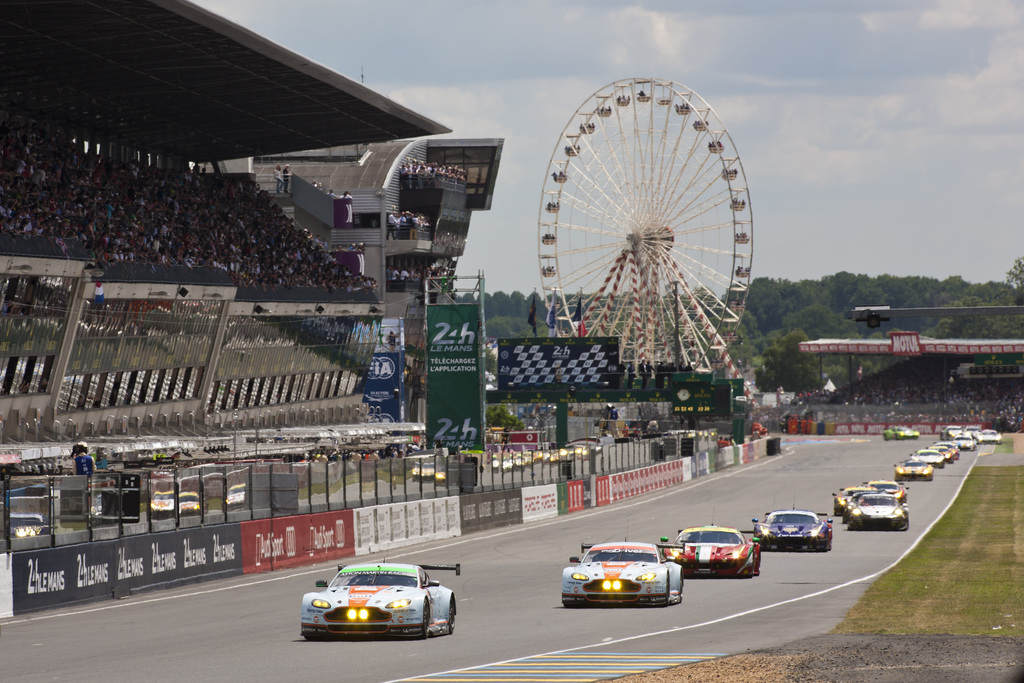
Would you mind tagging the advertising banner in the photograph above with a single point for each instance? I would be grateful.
(344, 218)
(269, 544)
(454, 377)
(90, 571)
(383, 527)
(490, 510)
(384, 392)
(602, 491)
(540, 502)
(575, 493)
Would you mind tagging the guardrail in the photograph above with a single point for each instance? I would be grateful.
(53, 511)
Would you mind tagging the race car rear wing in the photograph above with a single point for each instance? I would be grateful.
(457, 568)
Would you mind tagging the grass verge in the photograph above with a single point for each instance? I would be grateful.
(966, 576)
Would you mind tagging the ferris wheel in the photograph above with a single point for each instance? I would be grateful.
(645, 219)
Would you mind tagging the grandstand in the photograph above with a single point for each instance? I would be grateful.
(155, 293)
(955, 379)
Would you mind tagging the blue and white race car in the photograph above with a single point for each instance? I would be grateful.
(621, 573)
(793, 530)
(380, 599)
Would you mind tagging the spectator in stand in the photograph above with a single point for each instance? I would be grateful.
(286, 175)
(84, 463)
(278, 180)
(127, 212)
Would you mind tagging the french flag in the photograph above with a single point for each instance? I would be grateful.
(97, 297)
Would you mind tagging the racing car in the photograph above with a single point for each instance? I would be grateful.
(914, 469)
(900, 433)
(380, 599)
(889, 486)
(623, 573)
(841, 500)
(714, 551)
(936, 459)
(878, 511)
(793, 530)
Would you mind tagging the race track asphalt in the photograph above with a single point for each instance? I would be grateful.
(508, 593)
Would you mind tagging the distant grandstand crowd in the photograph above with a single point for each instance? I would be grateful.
(925, 380)
(127, 211)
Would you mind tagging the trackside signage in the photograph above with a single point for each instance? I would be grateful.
(298, 540)
(90, 571)
(905, 343)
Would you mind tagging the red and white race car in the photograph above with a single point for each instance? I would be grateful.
(714, 551)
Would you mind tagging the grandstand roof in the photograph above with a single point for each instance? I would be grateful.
(965, 347)
(166, 75)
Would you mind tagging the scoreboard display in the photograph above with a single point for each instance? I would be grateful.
(532, 363)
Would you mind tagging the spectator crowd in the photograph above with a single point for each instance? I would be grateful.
(420, 174)
(926, 380)
(128, 211)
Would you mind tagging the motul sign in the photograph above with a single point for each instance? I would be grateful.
(905, 343)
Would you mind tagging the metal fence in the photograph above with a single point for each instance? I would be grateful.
(50, 511)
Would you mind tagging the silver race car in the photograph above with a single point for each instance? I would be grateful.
(622, 573)
(380, 599)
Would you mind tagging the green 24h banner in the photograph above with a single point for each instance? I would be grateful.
(454, 377)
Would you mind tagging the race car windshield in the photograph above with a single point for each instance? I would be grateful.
(705, 536)
(878, 500)
(792, 518)
(372, 578)
(886, 487)
(620, 555)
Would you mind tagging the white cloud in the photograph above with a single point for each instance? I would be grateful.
(960, 14)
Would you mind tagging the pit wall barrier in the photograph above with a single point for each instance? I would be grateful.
(6, 586)
(383, 527)
(269, 544)
(86, 572)
(38, 579)
(480, 511)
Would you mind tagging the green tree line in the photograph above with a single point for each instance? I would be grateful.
(780, 313)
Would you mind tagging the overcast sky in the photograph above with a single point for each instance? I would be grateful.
(877, 137)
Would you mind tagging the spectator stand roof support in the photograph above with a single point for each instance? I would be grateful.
(173, 78)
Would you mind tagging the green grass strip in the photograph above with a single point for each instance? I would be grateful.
(967, 575)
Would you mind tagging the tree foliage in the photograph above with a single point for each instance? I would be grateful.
(499, 416)
(785, 366)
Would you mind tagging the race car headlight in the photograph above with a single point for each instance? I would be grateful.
(580, 577)
(735, 553)
(855, 511)
(900, 512)
(927, 470)
(397, 604)
(649, 576)
(815, 532)
(900, 470)
(357, 614)
(321, 604)
(612, 585)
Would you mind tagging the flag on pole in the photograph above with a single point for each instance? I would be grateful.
(577, 319)
(97, 297)
(532, 319)
(550, 321)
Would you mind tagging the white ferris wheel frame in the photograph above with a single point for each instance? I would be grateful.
(645, 211)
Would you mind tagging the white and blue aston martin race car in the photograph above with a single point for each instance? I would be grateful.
(622, 573)
(380, 599)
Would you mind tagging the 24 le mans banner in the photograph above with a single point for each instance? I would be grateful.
(454, 377)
